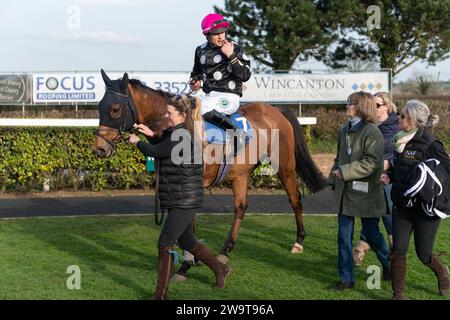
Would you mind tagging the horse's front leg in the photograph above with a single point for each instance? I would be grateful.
(240, 185)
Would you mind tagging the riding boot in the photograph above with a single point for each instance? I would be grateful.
(225, 123)
(441, 272)
(219, 119)
(164, 273)
(220, 270)
(398, 269)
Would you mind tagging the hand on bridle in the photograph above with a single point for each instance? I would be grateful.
(142, 128)
(134, 139)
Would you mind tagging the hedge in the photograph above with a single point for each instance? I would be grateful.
(331, 118)
(62, 158)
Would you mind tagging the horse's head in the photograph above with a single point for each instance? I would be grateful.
(117, 113)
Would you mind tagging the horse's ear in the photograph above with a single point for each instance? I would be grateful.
(105, 77)
(124, 84)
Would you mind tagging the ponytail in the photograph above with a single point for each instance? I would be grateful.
(191, 106)
(433, 119)
(194, 119)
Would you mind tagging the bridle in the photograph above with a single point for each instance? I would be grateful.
(130, 110)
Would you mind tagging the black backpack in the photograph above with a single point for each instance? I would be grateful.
(430, 189)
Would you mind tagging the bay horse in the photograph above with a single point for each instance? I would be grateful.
(128, 101)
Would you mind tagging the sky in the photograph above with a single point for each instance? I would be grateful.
(116, 35)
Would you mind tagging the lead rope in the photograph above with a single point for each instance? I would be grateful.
(158, 210)
(224, 209)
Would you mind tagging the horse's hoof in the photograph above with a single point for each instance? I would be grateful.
(223, 258)
(297, 248)
(179, 278)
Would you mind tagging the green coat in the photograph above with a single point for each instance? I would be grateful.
(360, 192)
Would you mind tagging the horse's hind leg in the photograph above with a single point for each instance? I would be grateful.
(240, 185)
(288, 178)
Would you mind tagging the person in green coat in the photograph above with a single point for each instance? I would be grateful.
(358, 191)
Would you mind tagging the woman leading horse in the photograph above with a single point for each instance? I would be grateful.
(127, 102)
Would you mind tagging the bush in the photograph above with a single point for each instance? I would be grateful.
(63, 157)
(331, 118)
(329, 121)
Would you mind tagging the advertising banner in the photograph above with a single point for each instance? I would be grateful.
(79, 87)
(85, 87)
(15, 89)
(312, 88)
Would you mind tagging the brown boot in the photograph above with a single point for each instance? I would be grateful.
(164, 274)
(360, 252)
(220, 270)
(398, 269)
(441, 272)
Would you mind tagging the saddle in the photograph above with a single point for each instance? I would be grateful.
(217, 135)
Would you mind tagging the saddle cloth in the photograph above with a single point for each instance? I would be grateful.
(217, 135)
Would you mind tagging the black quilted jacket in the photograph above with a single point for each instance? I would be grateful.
(422, 146)
(180, 185)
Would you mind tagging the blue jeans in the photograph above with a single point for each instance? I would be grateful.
(387, 219)
(345, 244)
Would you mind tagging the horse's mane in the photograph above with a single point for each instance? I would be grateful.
(140, 86)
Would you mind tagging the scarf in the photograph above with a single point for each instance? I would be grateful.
(402, 138)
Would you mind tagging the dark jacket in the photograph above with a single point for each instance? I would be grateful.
(421, 147)
(219, 72)
(180, 185)
(389, 128)
(360, 193)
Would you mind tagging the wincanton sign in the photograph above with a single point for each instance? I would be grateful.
(312, 87)
(88, 87)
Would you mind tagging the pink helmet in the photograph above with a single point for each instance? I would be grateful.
(214, 23)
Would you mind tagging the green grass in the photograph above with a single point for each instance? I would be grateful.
(323, 146)
(117, 258)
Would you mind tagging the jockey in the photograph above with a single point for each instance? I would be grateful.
(222, 66)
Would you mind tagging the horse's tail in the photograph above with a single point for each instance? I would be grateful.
(305, 166)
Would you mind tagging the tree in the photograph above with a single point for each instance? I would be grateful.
(353, 55)
(277, 33)
(410, 31)
(423, 82)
